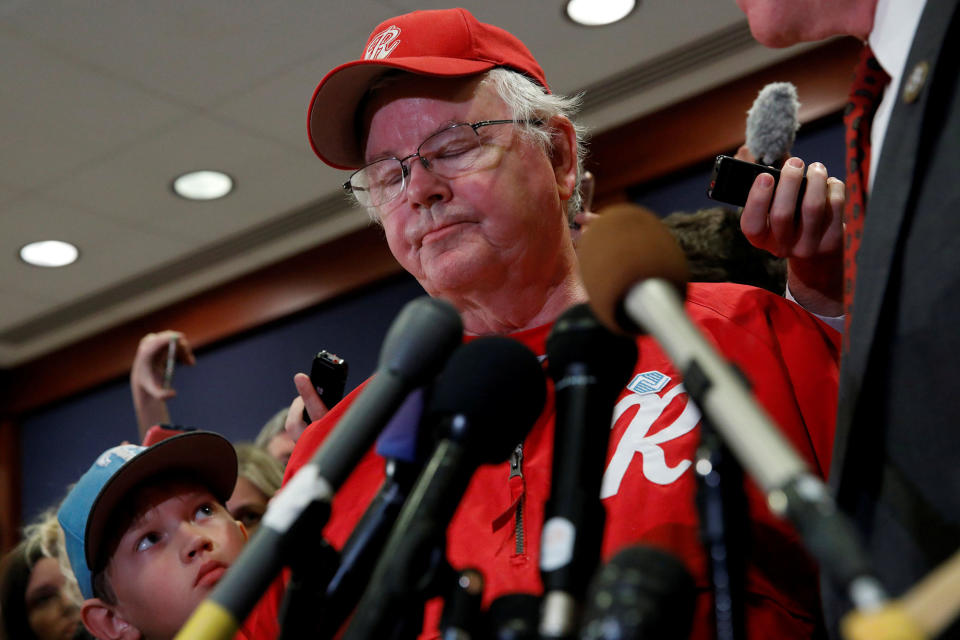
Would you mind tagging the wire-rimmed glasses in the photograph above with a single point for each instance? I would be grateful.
(449, 153)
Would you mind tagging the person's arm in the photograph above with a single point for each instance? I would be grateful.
(147, 377)
(812, 242)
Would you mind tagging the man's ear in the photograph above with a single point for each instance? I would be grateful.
(563, 155)
(104, 622)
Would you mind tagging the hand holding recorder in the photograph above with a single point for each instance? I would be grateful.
(789, 210)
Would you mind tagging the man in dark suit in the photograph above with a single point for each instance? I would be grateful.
(896, 462)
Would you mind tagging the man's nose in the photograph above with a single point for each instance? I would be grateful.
(424, 187)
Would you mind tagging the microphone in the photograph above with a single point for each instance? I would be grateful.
(417, 344)
(772, 123)
(513, 616)
(632, 270)
(642, 593)
(482, 405)
(461, 609)
(589, 366)
(317, 603)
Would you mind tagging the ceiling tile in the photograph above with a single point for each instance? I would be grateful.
(109, 251)
(196, 52)
(135, 186)
(60, 115)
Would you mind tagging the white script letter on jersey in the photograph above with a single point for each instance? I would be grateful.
(635, 439)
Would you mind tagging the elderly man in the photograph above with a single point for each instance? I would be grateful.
(895, 467)
(471, 165)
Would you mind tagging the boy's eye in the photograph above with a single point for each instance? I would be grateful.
(203, 512)
(148, 541)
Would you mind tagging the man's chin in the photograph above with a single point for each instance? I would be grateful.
(448, 274)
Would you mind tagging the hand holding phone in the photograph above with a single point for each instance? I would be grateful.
(808, 232)
(328, 373)
(732, 180)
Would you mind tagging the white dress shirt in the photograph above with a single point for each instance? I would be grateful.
(894, 24)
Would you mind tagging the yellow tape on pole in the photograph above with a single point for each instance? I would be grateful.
(209, 621)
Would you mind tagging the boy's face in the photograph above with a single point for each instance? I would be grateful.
(170, 557)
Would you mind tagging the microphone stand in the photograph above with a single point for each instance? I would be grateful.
(345, 584)
(311, 571)
(414, 573)
(722, 506)
(461, 607)
(325, 584)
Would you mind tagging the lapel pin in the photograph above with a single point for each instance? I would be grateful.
(915, 81)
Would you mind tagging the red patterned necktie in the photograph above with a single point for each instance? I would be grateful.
(868, 85)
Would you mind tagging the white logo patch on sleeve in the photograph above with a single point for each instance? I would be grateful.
(635, 440)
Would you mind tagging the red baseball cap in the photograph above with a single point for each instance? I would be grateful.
(446, 43)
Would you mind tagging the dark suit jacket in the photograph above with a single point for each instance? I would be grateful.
(896, 462)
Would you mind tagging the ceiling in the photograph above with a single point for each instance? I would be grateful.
(104, 102)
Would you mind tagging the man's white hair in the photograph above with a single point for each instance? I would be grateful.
(528, 102)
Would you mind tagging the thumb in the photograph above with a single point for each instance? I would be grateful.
(311, 399)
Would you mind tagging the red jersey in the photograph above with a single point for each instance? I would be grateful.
(791, 362)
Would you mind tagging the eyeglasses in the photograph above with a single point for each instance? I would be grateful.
(449, 153)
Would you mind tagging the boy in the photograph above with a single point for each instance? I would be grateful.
(148, 535)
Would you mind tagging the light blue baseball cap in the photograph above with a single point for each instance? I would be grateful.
(206, 457)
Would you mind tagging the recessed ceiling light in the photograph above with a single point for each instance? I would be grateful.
(49, 253)
(203, 185)
(594, 13)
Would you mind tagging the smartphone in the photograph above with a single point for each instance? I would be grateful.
(171, 362)
(732, 179)
(328, 373)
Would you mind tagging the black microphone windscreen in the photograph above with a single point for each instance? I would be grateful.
(641, 593)
(420, 339)
(578, 337)
(513, 616)
(772, 122)
(498, 385)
